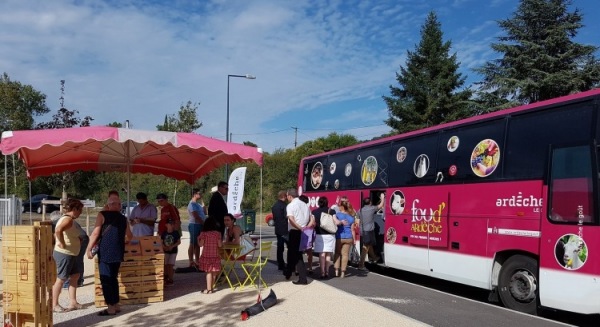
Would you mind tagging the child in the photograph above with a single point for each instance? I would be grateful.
(171, 239)
(210, 242)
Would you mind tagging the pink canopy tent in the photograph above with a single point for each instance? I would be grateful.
(183, 156)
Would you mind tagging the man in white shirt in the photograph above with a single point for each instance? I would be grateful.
(298, 215)
(143, 216)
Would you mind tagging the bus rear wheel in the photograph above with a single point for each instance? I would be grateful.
(518, 284)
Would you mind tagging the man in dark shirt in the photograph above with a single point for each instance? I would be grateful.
(217, 207)
(281, 226)
(367, 228)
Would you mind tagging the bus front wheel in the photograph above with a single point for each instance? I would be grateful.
(518, 284)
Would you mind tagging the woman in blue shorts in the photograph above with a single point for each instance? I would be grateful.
(196, 219)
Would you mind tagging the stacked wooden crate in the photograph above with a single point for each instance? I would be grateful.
(141, 276)
(29, 273)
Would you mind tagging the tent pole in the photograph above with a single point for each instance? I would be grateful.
(30, 214)
(5, 176)
(260, 207)
(128, 179)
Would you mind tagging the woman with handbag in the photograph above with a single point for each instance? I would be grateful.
(325, 240)
(344, 237)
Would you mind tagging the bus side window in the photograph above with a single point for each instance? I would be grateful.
(571, 185)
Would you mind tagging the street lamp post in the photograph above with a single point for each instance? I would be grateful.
(227, 138)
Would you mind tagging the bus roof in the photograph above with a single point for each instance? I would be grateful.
(503, 112)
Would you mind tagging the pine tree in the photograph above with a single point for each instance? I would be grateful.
(426, 95)
(539, 60)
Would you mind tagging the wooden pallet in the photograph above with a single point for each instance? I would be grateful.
(28, 272)
(141, 275)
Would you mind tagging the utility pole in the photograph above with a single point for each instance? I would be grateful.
(62, 93)
(295, 136)
(62, 105)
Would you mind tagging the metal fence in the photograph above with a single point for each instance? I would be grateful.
(10, 211)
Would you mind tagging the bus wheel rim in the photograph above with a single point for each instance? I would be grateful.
(523, 286)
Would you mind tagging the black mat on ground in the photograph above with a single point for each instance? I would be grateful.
(181, 270)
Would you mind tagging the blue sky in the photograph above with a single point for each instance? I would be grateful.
(320, 66)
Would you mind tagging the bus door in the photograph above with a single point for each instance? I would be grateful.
(379, 229)
(570, 235)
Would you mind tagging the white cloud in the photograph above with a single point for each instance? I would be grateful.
(140, 60)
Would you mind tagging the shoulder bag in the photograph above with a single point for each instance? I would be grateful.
(327, 223)
(247, 244)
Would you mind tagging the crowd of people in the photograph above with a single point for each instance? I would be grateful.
(299, 229)
(113, 230)
(210, 227)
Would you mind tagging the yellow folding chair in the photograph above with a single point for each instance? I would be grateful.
(253, 269)
(229, 256)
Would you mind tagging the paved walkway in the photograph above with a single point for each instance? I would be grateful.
(315, 304)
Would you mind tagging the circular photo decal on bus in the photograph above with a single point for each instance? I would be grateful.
(390, 235)
(369, 171)
(397, 202)
(453, 143)
(485, 158)
(348, 169)
(571, 252)
(401, 154)
(316, 176)
(336, 184)
(421, 165)
(332, 168)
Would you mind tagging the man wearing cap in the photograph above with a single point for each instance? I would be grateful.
(143, 216)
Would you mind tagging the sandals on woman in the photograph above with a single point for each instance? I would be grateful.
(208, 291)
(59, 309)
(77, 306)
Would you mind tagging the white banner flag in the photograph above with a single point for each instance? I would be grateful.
(236, 192)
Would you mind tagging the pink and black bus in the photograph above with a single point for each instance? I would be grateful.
(507, 201)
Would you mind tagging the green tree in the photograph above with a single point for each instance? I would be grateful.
(19, 104)
(65, 118)
(428, 84)
(539, 60)
(281, 167)
(331, 142)
(186, 119)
